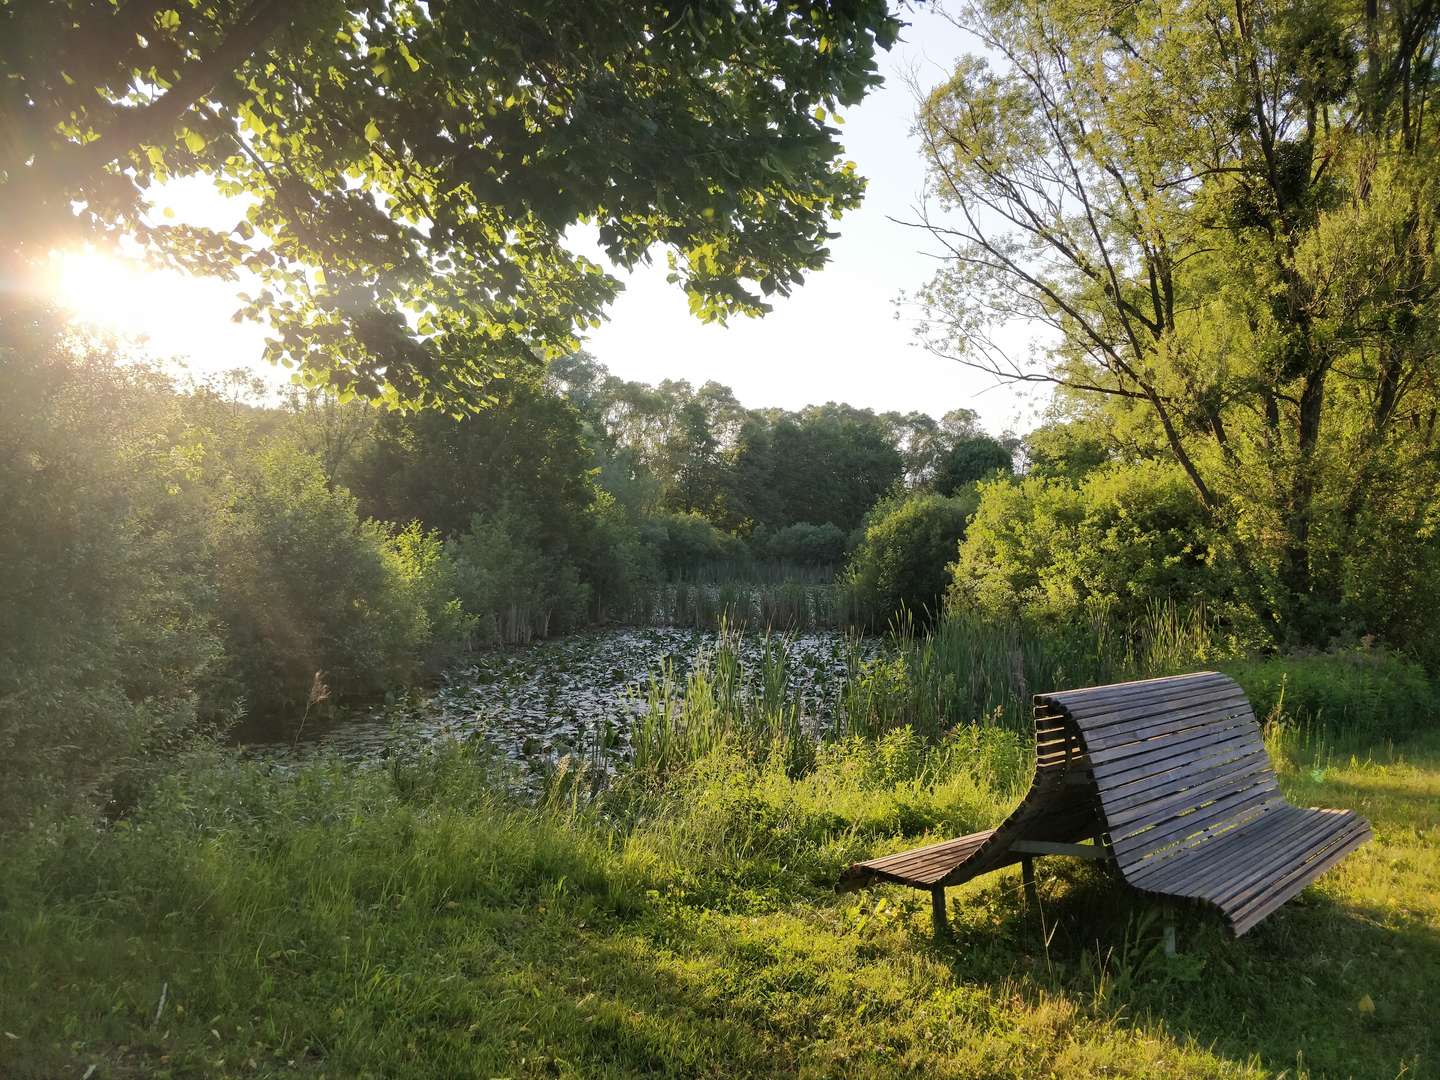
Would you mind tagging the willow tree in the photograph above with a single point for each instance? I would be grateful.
(1222, 219)
(405, 171)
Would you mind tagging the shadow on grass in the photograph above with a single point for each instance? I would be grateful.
(1321, 985)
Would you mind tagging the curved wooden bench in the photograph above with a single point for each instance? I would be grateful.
(1170, 782)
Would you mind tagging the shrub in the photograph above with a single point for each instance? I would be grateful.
(809, 545)
(1117, 541)
(620, 568)
(107, 623)
(902, 562)
(684, 541)
(429, 571)
(1366, 692)
(307, 587)
(971, 460)
(515, 589)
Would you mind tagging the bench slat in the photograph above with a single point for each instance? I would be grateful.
(1171, 780)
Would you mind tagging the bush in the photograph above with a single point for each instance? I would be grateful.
(513, 587)
(306, 587)
(429, 571)
(903, 561)
(1118, 541)
(1365, 692)
(683, 542)
(107, 622)
(809, 545)
(971, 460)
(620, 568)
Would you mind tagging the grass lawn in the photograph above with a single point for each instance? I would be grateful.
(410, 922)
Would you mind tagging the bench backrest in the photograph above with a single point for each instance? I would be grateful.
(1175, 761)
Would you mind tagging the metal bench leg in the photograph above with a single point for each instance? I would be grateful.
(937, 913)
(1027, 874)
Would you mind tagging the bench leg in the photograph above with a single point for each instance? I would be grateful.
(937, 914)
(1027, 875)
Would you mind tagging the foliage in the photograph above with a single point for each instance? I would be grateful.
(526, 450)
(1354, 693)
(505, 579)
(677, 448)
(684, 540)
(108, 627)
(970, 460)
(902, 564)
(826, 464)
(1223, 221)
(810, 545)
(1117, 541)
(1066, 449)
(405, 173)
(307, 590)
(431, 574)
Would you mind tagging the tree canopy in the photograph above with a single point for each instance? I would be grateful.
(405, 172)
(1223, 217)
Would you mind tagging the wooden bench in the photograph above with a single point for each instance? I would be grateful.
(1165, 779)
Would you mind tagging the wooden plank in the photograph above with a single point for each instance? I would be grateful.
(1047, 847)
(1158, 802)
(1281, 866)
(1178, 762)
(1117, 722)
(1179, 830)
(1199, 771)
(1278, 859)
(1114, 691)
(1175, 870)
(1109, 761)
(1252, 840)
(1100, 711)
(1182, 757)
(1248, 920)
(1163, 829)
(1167, 871)
(1166, 723)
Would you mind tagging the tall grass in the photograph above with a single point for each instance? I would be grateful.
(968, 673)
(794, 605)
(974, 670)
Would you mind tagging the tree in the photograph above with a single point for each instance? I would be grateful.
(405, 171)
(825, 464)
(970, 460)
(1223, 217)
(1117, 542)
(527, 451)
(904, 560)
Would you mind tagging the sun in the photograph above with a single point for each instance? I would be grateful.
(109, 293)
(163, 313)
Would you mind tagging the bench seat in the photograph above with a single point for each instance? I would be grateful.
(1171, 780)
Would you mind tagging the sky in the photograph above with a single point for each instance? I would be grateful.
(839, 337)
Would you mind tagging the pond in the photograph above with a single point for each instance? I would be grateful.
(574, 695)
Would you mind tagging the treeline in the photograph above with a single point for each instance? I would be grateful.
(176, 557)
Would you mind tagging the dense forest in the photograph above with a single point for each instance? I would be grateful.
(1207, 232)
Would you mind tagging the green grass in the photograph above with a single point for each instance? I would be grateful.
(413, 921)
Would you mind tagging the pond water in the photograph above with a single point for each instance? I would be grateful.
(574, 695)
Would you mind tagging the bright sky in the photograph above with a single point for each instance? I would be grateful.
(838, 338)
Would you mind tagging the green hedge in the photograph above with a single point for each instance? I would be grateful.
(1360, 691)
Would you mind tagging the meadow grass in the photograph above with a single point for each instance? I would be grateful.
(412, 920)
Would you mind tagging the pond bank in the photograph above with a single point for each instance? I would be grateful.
(574, 695)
